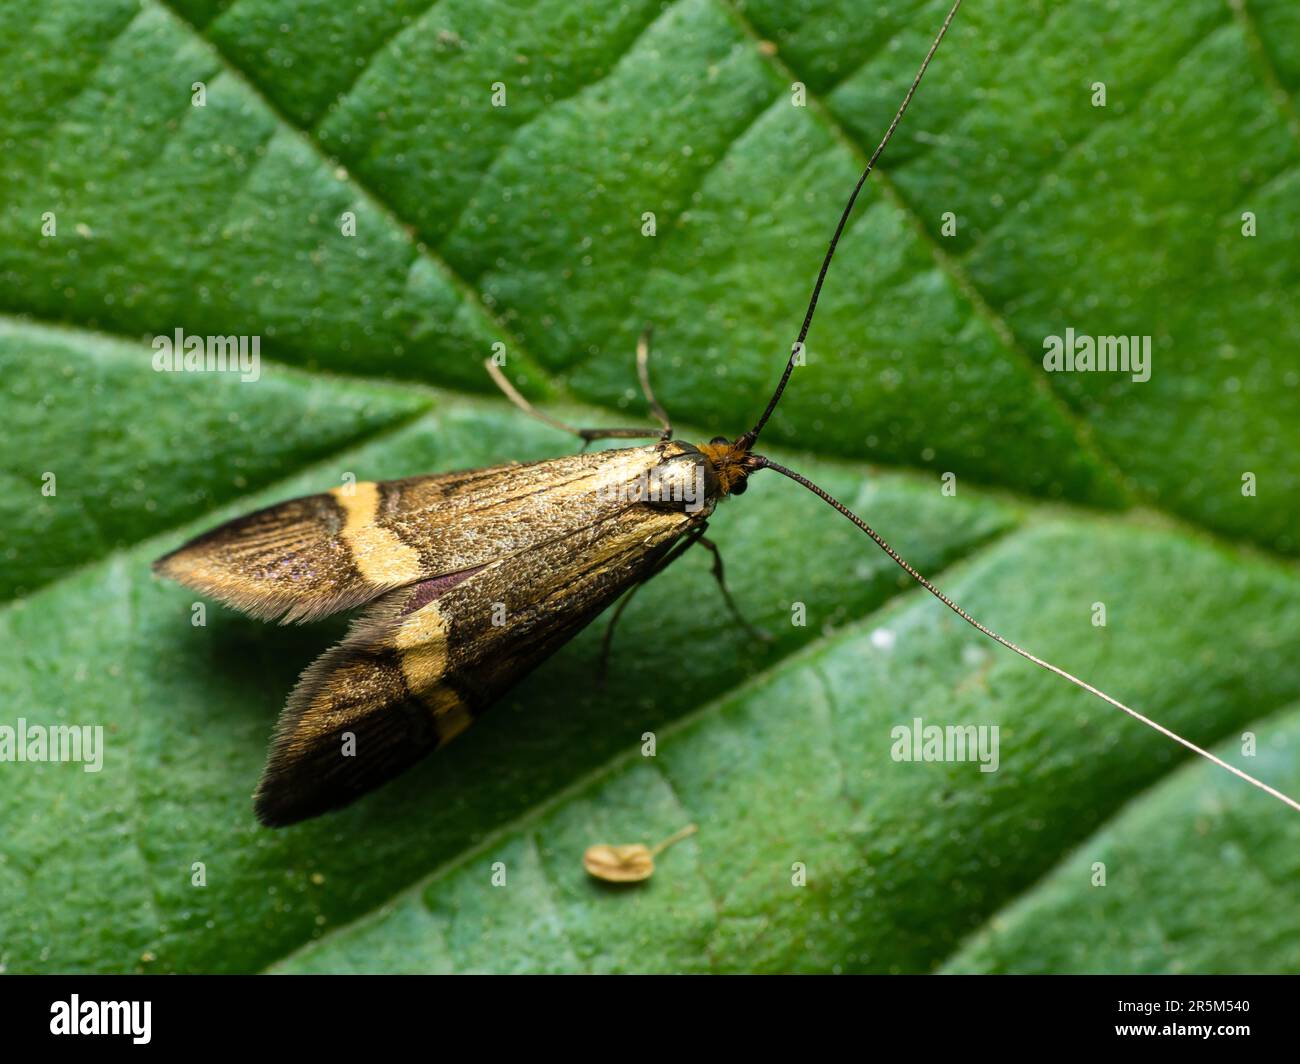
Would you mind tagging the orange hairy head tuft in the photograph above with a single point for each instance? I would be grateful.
(730, 461)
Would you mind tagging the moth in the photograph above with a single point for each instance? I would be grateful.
(471, 579)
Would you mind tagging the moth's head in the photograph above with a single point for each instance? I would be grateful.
(731, 462)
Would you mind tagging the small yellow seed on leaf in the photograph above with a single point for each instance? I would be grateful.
(619, 864)
(630, 863)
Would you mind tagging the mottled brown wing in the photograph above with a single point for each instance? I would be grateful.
(421, 663)
(310, 557)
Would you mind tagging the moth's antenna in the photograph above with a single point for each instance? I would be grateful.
(759, 462)
(747, 440)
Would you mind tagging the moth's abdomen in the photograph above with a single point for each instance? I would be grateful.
(300, 560)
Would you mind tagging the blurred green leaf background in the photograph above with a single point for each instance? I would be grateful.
(523, 225)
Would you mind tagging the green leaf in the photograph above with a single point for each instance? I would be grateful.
(127, 212)
(902, 858)
(1216, 876)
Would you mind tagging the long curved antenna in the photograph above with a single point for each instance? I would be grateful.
(759, 462)
(747, 440)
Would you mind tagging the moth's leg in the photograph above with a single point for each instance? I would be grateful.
(720, 575)
(643, 372)
(587, 435)
(692, 537)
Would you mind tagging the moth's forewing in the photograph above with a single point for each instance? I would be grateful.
(310, 557)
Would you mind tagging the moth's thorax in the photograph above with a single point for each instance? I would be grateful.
(681, 480)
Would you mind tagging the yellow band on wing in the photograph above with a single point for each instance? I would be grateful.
(380, 555)
(421, 642)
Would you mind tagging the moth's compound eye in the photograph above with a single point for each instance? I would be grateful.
(740, 487)
(719, 439)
